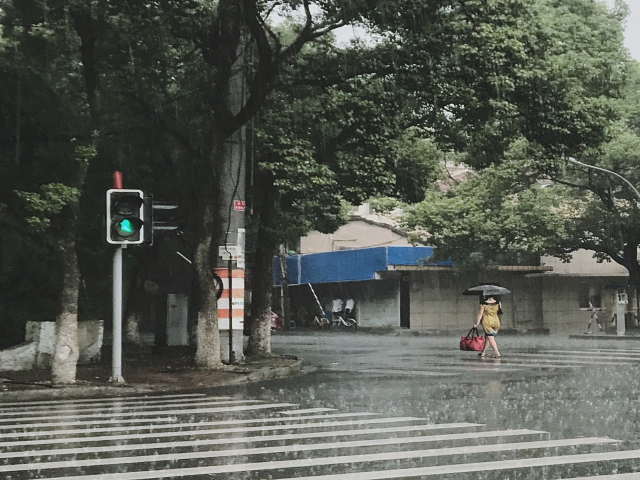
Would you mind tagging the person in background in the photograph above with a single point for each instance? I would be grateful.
(336, 309)
(488, 316)
(594, 316)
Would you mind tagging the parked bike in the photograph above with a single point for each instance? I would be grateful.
(341, 320)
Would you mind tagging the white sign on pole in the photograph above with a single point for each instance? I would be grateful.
(228, 252)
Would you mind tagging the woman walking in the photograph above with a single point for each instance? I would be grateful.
(488, 315)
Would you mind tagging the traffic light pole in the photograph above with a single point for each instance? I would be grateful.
(116, 362)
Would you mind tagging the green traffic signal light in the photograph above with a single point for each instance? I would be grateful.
(125, 216)
(125, 228)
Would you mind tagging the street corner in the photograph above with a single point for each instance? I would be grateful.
(146, 379)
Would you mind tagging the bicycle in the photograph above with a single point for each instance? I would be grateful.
(340, 321)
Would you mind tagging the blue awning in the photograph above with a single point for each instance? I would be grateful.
(350, 265)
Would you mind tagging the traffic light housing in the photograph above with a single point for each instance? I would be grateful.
(125, 217)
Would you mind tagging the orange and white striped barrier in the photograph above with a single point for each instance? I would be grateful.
(237, 300)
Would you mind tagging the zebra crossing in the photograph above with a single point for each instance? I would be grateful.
(446, 364)
(202, 436)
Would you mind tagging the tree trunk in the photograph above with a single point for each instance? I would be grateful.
(261, 297)
(132, 328)
(204, 303)
(66, 352)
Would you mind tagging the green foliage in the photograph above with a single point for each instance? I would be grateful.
(384, 205)
(50, 201)
(419, 164)
(28, 285)
(499, 214)
(523, 82)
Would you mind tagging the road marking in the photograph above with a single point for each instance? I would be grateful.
(146, 421)
(174, 426)
(572, 359)
(185, 411)
(599, 353)
(617, 476)
(528, 365)
(106, 399)
(462, 468)
(108, 410)
(466, 450)
(400, 372)
(377, 457)
(479, 366)
(308, 410)
(185, 433)
(222, 441)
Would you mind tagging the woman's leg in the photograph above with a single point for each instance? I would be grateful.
(494, 345)
(484, 347)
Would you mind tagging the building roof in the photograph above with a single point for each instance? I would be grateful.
(352, 265)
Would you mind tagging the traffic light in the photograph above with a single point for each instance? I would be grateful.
(125, 216)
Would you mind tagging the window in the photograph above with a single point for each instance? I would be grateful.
(589, 296)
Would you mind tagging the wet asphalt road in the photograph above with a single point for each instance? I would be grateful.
(373, 407)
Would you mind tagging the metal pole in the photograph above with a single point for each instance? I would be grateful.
(116, 375)
(635, 190)
(620, 315)
(230, 274)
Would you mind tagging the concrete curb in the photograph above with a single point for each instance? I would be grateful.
(229, 376)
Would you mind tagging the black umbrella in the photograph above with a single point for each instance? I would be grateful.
(486, 290)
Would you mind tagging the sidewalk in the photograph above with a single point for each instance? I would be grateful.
(144, 372)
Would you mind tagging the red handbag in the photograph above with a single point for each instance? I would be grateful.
(473, 341)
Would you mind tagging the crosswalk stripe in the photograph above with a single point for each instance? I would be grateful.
(372, 457)
(96, 422)
(616, 476)
(184, 411)
(105, 399)
(174, 426)
(399, 372)
(308, 410)
(466, 367)
(570, 359)
(537, 366)
(567, 355)
(107, 409)
(611, 353)
(229, 440)
(184, 433)
(458, 468)
(466, 450)
(627, 350)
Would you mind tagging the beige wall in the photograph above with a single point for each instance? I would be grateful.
(355, 234)
(437, 302)
(561, 303)
(583, 263)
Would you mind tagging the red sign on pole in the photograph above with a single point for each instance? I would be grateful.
(238, 205)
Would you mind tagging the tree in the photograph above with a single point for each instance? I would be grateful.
(502, 82)
(49, 92)
(505, 207)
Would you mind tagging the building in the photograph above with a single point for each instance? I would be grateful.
(401, 291)
(398, 286)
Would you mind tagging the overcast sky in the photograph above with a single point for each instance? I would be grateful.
(632, 33)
